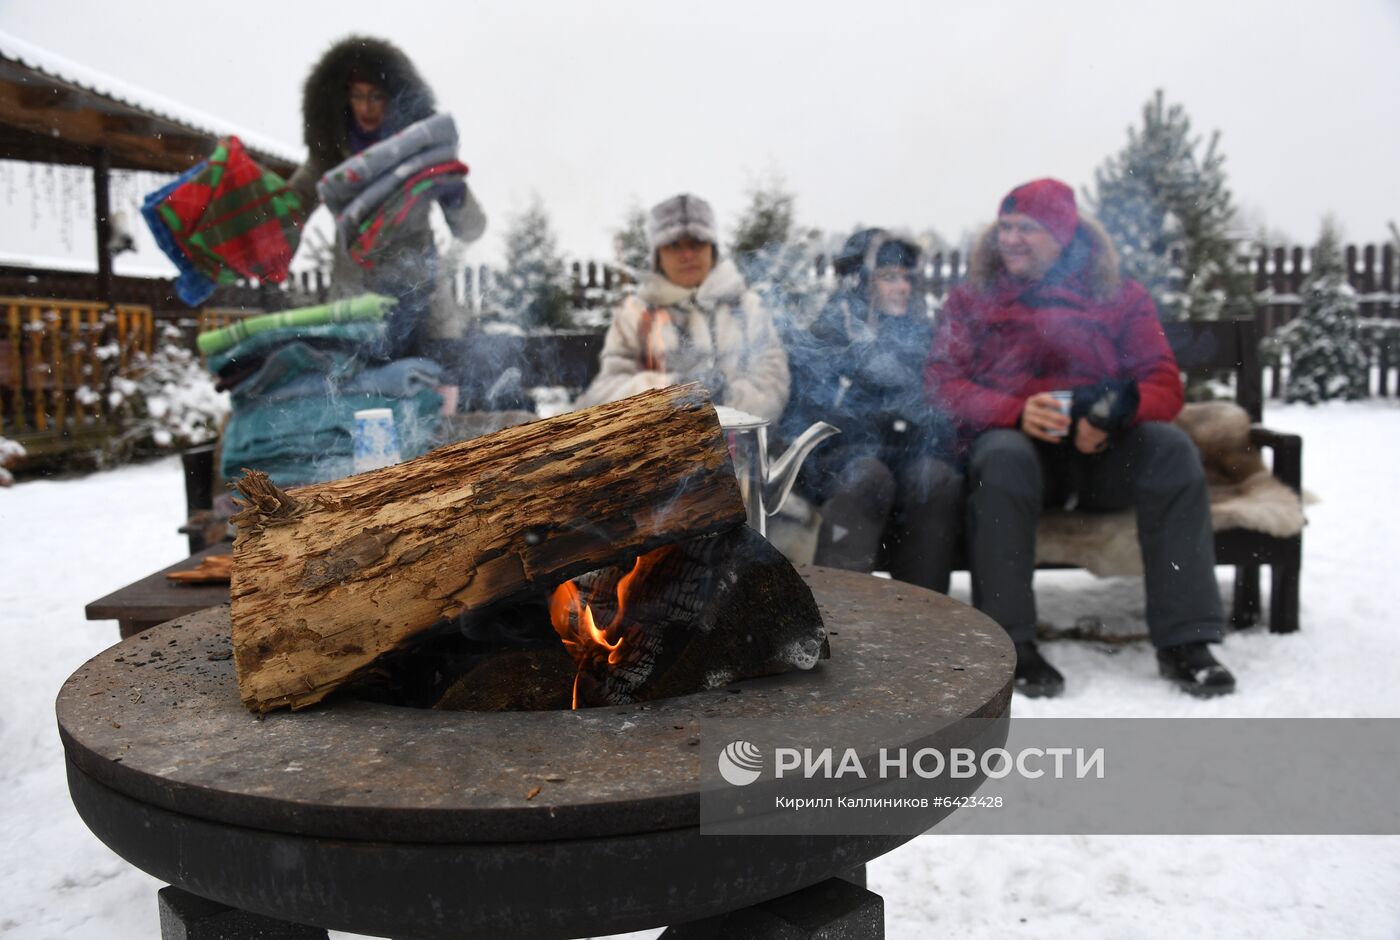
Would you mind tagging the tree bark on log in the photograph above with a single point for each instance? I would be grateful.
(329, 577)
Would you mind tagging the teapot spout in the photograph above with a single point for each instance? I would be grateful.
(783, 472)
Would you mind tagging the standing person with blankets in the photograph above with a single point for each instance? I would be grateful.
(888, 480)
(1047, 310)
(380, 157)
(692, 320)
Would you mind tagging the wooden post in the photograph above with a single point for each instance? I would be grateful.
(102, 209)
(1389, 308)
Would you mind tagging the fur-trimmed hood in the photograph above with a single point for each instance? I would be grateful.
(325, 109)
(1090, 257)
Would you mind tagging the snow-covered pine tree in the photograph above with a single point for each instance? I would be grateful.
(776, 258)
(1159, 195)
(631, 256)
(534, 288)
(1327, 359)
(630, 248)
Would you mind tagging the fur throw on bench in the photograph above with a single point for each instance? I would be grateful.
(1243, 495)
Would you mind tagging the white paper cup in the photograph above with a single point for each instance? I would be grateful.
(376, 441)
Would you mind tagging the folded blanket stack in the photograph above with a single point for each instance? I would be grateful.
(297, 379)
(389, 187)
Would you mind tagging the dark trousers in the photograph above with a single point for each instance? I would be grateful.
(1153, 468)
(917, 506)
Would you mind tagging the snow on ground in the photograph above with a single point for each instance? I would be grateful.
(66, 542)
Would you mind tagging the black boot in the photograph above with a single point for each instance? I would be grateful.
(1195, 670)
(1034, 676)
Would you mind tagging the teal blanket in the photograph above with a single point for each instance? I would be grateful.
(294, 417)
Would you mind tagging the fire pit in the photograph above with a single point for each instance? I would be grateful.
(404, 822)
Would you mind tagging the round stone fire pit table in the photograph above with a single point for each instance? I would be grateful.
(402, 822)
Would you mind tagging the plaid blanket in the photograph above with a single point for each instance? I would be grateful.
(406, 209)
(348, 219)
(226, 218)
(343, 182)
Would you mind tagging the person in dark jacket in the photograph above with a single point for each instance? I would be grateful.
(885, 481)
(361, 92)
(1047, 318)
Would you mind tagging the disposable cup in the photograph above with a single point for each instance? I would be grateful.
(1065, 399)
(375, 439)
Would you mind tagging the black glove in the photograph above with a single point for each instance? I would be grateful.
(1109, 405)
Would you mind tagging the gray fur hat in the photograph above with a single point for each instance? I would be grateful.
(679, 216)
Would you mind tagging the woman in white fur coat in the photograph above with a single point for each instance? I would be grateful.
(693, 320)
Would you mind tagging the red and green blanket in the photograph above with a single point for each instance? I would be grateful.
(405, 208)
(226, 218)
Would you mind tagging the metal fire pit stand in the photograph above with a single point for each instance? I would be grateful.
(408, 823)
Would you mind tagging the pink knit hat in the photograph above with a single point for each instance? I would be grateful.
(1049, 202)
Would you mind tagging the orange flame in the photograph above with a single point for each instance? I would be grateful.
(572, 618)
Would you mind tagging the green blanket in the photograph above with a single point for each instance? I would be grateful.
(363, 307)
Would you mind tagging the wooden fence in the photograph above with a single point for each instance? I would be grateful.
(54, 355)
(1373, 272)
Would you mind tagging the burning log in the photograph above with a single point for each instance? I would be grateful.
(687, 617)
(328, 578)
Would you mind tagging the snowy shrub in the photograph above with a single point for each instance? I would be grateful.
(10, 453)
(169, 401)
(1326, 353)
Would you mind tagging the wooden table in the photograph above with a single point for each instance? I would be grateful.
(155, 598)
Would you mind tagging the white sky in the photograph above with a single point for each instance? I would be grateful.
(902, 114)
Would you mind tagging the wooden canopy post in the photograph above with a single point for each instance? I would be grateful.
(102, 210)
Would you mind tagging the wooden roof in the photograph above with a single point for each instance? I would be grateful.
(56, 111)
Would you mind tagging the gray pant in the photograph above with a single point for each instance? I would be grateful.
(1154, 468)
(914, 511)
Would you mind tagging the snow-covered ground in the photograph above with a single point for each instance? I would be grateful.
(66, 542)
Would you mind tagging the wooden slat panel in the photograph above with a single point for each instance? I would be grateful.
(35, 328)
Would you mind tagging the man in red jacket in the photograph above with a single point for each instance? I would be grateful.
(1056, 369)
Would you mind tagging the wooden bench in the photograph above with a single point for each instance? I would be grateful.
(1233, 346)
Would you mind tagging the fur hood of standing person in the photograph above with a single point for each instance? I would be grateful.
(666, 334)
(327, 119)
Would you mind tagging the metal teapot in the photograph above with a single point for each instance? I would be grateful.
(765, 486)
